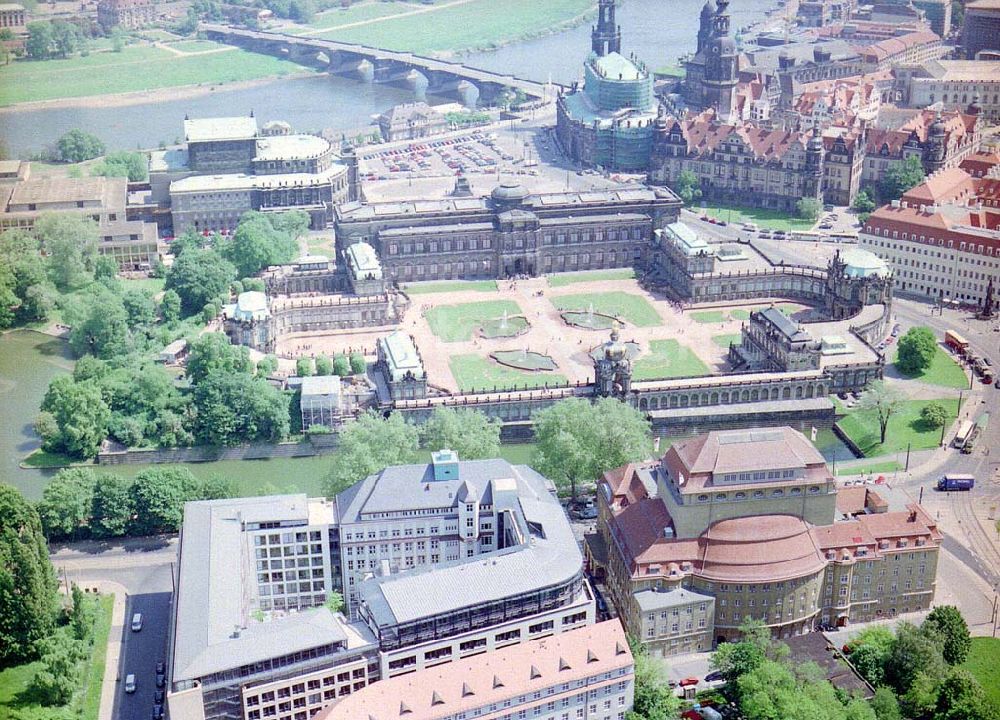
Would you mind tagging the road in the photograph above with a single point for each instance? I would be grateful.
(143, 567)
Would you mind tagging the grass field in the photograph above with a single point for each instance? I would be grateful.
(441, 286)
(877, 468)
(630, 308)
(726, 339)
(904, 428)
(135, 68)
(475, 372)
(15, 682)
(360, 12)
(475, 24)
(455, 323)
(942, 371)
(161, 35)
(707, 317)
(570, 278)
(153, 285)
(668, 359)
(190, 46)
(766, 219)
(984, 663)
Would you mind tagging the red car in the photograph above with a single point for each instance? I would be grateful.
(688, 681)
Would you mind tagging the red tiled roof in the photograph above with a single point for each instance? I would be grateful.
(759, 548)
(944, 186)
(981, 162)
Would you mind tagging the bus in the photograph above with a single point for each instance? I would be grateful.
(955, 341)
(806, 236)
(964, 433)
(844, 237)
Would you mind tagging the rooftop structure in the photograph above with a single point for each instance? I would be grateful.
(198, 130)
(290, 147)
(251, 306)
(363, 261)
(321, 401)
(401, 355)
(594, 661)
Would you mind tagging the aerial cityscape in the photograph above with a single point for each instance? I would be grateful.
(499, 359)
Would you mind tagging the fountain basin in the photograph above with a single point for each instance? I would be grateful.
(588, 320)
(505, 327)
(524, 360)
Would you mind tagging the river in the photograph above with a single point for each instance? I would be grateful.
(657, 31)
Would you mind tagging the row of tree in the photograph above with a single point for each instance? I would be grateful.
(81, 503)
(342, 365)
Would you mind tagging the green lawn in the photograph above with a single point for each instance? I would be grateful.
(904, 428)
(161, 35)
(152, 285)
(943, 371)
(569, 278)
(135, 68)
(708, 317)
(190, 46)
(476, 372)
(674, 71)
(633, 309)
(455, 323)
(766, 219)
(668, 359)
(877, 468)
(320, 245)
(984, 663)
(15, 699)
(41, 459)
(443, 286)
(356, 13)
(727, 339)
(476, 24)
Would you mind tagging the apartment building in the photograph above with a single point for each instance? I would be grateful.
(942, 238)
(587, 674)
(735, 525)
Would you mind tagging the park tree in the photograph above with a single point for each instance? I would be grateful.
(66, 503)
(933, 415)
(916, 350)
(341, 366)
(106, 270)
(76, 146)
(885, 704)
(266, 366)
(882, 399)
(112, 509)
(41, 41)
(27, 580)
(324, 365)
(293, 223)
(687, 186)
(9, 301)
(79, 415)
(24, 269)
(213, 354)
(869, 651)
(82, 615)
(58, 675)
(159, 495)
(947, 623)
(239, 408)
(334, 602)
(961, 697)
(863, 202)
(913, 653)
(170, 306)
(131, 165)
(901, 177)
(471, 434)
(735, 659)
(808, 209)
(256, 244)
(358, 364)
(216, 487)
(66, 38)
(140, 309)
(368, 445)
(105, 331)
(578, 440)
(71, 244)
(654, 699)
(304, 367)
(199, 276)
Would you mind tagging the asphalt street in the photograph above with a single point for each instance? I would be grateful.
(141, 651)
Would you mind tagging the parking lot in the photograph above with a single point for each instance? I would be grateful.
(475, 152)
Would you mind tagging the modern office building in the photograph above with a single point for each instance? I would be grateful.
(609, 121)
(586, 673)
(511, 232)
(438, 562)
(745, 524)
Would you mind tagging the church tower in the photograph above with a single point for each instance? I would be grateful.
(606, 36)
(721, 66)
(705, 24)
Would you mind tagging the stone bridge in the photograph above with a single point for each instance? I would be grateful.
(422, 74)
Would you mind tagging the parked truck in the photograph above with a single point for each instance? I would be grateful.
(956, 482)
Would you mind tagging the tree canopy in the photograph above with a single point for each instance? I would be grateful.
(368, 445)
(900, 177)
(916, 350)
(237, 408)
(131, 165)
(71, 244)
(577, 441)
(262, 239)
(468, 432)
(198, 276)
(27, 580)
(883, 400)
(947, 622)
(76, 146)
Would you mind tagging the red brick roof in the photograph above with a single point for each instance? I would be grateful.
(981, 162)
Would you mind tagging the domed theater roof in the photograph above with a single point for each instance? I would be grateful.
(759, 548)
(509, 191)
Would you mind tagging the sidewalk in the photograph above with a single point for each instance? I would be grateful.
(110, 684)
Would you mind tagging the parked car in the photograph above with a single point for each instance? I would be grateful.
(137, 622)
(688, 681)
(714, 676)
(161, 674)
(157, 713)
(130, 683)
(158, 697)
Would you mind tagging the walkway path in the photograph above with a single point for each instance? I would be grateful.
(111, 661)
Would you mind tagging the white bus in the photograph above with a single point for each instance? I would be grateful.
(964, 433)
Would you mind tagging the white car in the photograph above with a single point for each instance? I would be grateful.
(130, 683)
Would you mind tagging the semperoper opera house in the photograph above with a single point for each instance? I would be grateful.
(437, 562)
(734, 525)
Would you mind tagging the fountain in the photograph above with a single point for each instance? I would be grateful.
(524, 359)
(524, 353)
(506, 325)
(590, 314)
(503, 320)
